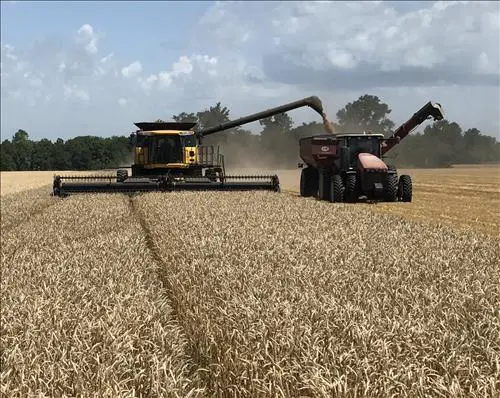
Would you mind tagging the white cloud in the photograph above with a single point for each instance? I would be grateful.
(74, 92)
(87, 37)
(132, 70)
(183, 66)
(255, 55)
(165, 79)
(147, 83)
(107, 58)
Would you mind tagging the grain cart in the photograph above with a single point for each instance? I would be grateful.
(349, 167)
(169, 156)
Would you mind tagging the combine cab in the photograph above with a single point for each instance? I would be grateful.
(349, 167)
(168, 156)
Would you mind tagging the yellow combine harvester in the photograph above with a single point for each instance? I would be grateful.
(169, 156)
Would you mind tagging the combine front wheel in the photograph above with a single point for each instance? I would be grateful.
(405, 188)
(336, 189)
(308, 182)
(121, 175)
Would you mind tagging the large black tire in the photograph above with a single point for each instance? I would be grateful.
(325, 178)
(351, 188)
(121, 175)
(391, 187)
(309, 182)
(336, 189)
(405, 189)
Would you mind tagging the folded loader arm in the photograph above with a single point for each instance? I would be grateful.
(428, 111)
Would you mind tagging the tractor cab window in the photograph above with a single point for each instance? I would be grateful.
(363, 144)
(166, 149)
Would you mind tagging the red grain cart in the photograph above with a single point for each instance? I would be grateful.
(349, 167)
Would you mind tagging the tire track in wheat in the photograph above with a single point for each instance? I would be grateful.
(19, 208)
(82, 311)
(198, 364)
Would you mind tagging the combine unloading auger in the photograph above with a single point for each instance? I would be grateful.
(186, 173)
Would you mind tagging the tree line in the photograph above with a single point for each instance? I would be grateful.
(440, 144)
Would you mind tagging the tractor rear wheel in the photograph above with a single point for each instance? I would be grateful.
(325, 178)
(405, 188)
(351, 188)
(336, 189)
(308, 182)
(121, 175)
(391, 187)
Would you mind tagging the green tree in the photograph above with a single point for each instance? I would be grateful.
(367, 113)
(23, 148)
(185, 117)
(7, 162)
(443, 144)
(61, 157)
(211, 117)
(42, 158)
(479, 148)
(277, 142)
(307, 130)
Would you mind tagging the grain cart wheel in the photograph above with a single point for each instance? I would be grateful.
(405, 188)
(309, 182)
(391, 187)
(336, 189)
(324, 181)
(351, 188)
(121, 175)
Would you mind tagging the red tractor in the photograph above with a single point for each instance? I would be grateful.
(349, 167)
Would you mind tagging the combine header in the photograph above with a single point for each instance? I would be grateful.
(168, 156)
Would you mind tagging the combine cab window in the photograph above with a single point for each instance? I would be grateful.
(189, 140)
(166, 149)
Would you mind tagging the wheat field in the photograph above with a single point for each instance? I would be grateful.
(227, 294)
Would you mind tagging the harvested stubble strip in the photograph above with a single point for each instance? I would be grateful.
(285, 296)
(83, 313)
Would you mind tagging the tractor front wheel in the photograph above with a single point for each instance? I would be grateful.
(308, 182)
(391, 187)
(405, 188)
(351, 188)
(336, 189)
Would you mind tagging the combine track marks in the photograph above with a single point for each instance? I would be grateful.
(162, 275)
(8, 224)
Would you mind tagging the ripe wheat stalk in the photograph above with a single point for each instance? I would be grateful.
(285, 296)
(83, 313)
(242, 295)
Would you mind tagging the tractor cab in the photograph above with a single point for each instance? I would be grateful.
(351, 145)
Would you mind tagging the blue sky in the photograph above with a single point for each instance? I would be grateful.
(150, 28)
(100, 66)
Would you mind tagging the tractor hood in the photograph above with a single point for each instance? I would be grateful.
(367, 161)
